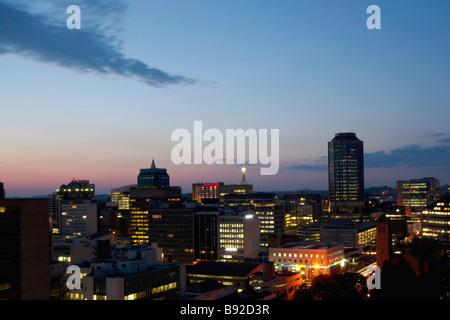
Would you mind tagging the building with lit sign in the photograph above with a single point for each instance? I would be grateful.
(309, 258)
(202, 191)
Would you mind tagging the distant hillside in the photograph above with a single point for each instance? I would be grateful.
(379, 191)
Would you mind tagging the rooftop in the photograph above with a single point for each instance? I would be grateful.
(312, 245)
(223, 268)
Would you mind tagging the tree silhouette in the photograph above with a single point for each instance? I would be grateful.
(346, 286)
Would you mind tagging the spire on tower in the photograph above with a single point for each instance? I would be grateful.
(243, 181)
(153, 164)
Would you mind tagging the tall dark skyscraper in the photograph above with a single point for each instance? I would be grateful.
(206, 233)
(24, 249)
(346, 177)
(153, 177)
(2, 191)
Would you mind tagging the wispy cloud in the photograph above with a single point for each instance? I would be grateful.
(309, 167)
(406, 156)
(445, 140)
(34, 35)
(410, 156)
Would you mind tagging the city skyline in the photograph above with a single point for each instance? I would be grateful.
(100, 102)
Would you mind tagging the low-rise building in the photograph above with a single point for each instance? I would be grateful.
(136, 273)
(308, 258)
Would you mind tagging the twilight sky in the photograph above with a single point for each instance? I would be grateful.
(100, 102)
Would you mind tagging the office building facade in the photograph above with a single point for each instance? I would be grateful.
(417, 194)
(206, 235)
(142, 199)
(78, 218)
(348, 233)
(300, 210)
(24, 249)
(346, 177)
(266, 206)
(134, 273)
(239, 237)
(436, 222)
(309, 258)
(202, 191)
(73, 209)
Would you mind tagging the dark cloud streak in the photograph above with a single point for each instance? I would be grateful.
(85, 50)
(410, 156)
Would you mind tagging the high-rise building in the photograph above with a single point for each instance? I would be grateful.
(239, 237)
(78, 218)
(158, 216)
(300, 210)
(77, 209)
(142, 200)
(206, 235)
(54, 212)
(202, 191)
(153, 177)
(122, 196)
(171, 229)
(24, 249)
(267, 208)
(398, 222)
(2, 191)
(346, 177)
(417, 194)
(436, 222)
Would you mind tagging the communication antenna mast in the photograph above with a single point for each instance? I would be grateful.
(243, 181)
